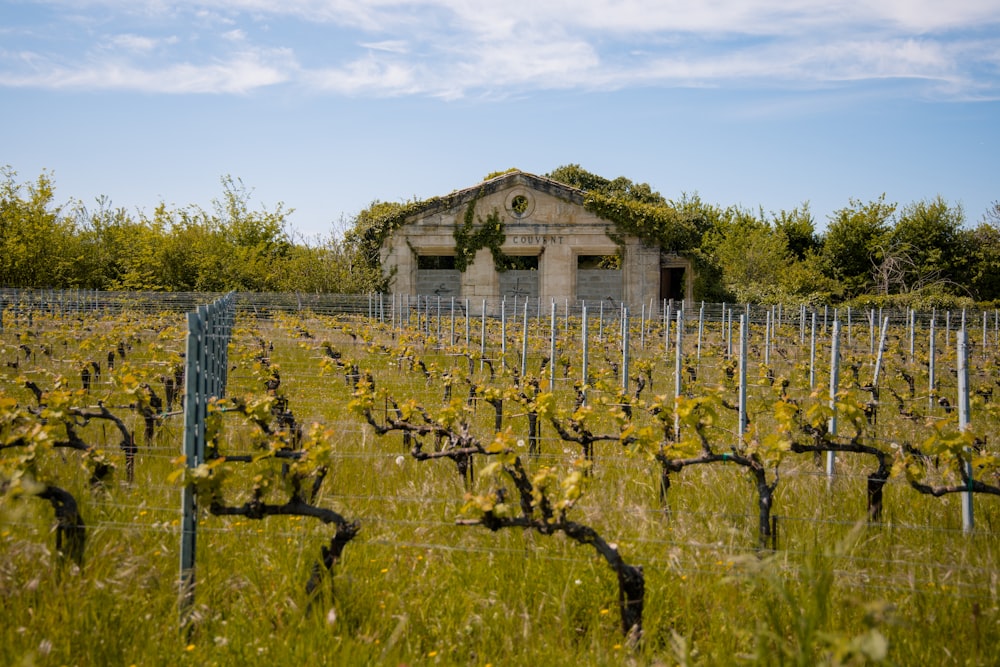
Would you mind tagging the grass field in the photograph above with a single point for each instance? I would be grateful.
(415, 588)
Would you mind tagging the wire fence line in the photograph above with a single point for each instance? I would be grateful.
(210, 335)
(434, 312)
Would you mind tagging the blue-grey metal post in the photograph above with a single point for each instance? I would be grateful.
(524, 342)
(482, 338)
(642, 328)
(585, 344)
(503, 333)
(812, 354)
(931, 382)
(192, 455)
(849, 343)
(767, 338)
(728, 317)
(741, 423)
(678, 364)
(871, 331)
(963, 424)
(913, 332)
(834, 387)
(553, 328)
(986, 340)
(701, 329)
(667, 315)
(881, 347)
(625, 350)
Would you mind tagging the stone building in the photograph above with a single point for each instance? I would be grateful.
(547, 245)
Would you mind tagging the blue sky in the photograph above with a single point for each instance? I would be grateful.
(326, 106)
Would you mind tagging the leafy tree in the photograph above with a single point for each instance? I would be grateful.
(363, 241)
(983, 244)
(805, 282)
(799, 229)
(36, 248)
(318, 265)
(851, 245)
(495, 174)
(578, 177)
(258, 240)
(927, 244)
(702, 217)
(637, 209)
(761, 258)
(992, 214)
(117, 252)
(752, 257)
(619, 188)
(182, 257)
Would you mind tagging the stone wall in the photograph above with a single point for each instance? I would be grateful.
(520, 284)
(598, 285)
(441, 282)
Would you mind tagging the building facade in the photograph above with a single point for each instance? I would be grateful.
(547, 246)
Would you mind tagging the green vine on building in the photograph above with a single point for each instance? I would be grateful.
(651, 223)
(469, 238)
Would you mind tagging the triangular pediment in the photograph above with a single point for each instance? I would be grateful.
(458, 200)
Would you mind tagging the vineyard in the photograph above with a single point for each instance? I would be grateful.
(422, 482)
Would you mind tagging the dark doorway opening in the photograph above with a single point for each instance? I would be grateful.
(672, 283)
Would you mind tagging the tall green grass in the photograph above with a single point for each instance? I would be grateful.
(415, 588)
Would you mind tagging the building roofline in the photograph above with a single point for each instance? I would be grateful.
(490, 186)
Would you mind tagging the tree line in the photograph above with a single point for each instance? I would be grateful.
(44, 244)
(919, 255)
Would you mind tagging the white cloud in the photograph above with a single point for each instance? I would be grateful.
(367, 76)
(456, 47)
(767, 16)
(136, 43)
(242, 73)
(719, 16)
(389, 45)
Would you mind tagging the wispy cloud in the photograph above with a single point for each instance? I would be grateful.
(452, 48)
(236, 35)
(134, 43)
(389, 45)
(368, 75)
(242, 73)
